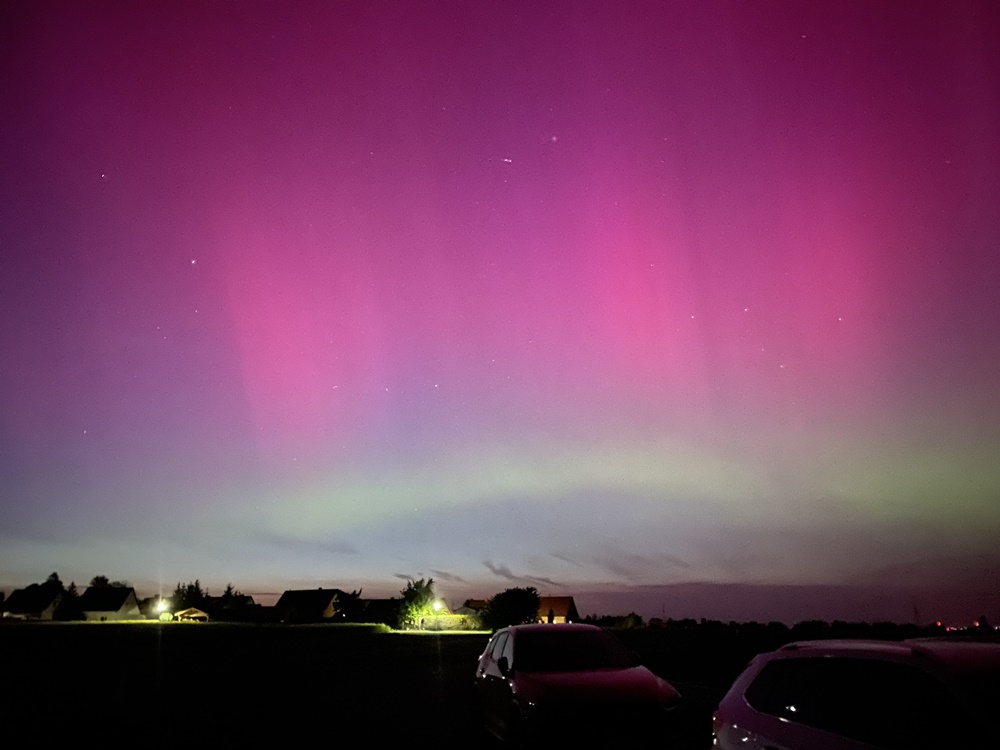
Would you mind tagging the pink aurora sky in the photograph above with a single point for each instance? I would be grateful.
(601, 298)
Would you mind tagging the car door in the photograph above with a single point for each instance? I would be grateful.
(493, 688)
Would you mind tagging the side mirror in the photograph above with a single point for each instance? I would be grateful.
(504, 666)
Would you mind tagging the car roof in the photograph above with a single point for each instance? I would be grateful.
(958, 655)
(551, 627)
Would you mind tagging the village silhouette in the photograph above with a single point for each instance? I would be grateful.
(395, 667)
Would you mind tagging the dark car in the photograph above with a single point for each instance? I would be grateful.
(859, 695)
(565, 682)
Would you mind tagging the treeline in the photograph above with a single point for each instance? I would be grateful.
(711, 653)
(184, 596)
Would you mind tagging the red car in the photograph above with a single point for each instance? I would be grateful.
(562, 682)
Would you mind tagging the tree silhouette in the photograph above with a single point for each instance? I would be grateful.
(69, 605)
(188, 595)
(350, 606)
(512, 607)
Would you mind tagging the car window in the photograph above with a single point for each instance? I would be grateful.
(498, 646)
(508, 651)
(568, 651)
(883, 703)
(983, 687)
(489, 646)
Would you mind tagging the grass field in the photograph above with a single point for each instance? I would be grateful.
(248, 685)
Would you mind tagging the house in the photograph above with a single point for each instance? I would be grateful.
(38, 601)
(309, 605)
(557, 609)
(232, 608)
(109, 603)
(472, 607)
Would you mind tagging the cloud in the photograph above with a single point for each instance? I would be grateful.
(540, 579)
(444, 575)
(330, 546)
(635, 567)
(409, 576)
(500, 570)
(569, 560)
(503, 571)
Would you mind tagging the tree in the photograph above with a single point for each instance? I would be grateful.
(512, 607)
(188, 595)
(53, 581)
(418, 602)
(350, 606)
(69, 606)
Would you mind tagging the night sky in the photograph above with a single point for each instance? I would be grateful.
(671, 308)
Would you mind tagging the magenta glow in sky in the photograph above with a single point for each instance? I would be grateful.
(589, 297)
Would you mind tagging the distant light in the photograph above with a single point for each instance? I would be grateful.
(437, 606)
(161, 606)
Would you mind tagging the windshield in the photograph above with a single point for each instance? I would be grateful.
(983, 686)
(562, 651)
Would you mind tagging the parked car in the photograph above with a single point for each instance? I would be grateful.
(564, 682)
(858, 695)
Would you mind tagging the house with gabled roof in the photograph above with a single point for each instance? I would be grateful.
(557, 609)
(110, 603)
(38, 601)
(472, 607)
(308, 605)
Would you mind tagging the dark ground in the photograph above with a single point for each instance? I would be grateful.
(227, 685)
